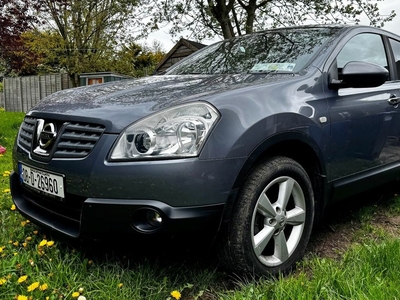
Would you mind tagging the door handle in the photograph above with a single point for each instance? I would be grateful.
(394, 100)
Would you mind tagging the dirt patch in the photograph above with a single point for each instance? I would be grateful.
(341, 228)
(333, 240)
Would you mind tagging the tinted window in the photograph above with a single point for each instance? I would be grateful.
(365, 47)
(396, 51)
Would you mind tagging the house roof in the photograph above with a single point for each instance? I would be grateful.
(192, 46)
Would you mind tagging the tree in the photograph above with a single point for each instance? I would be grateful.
(228, 18)
(46, 49)
(16, 16)
(136, 60)
(89, 30)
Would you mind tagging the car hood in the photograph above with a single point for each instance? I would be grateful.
(122, 103)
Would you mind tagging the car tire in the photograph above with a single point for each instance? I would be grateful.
(271, 221)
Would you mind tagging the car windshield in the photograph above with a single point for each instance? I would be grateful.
(281, 51)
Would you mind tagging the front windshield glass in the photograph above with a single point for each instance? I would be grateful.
(283, 50)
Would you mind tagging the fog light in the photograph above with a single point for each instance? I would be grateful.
(147, 220)
(154, 218)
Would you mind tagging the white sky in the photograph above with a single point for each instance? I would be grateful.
(385, 8)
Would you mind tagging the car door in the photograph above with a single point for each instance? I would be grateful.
(365, 122)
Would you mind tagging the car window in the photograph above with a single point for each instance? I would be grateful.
(285, 50)
(396, 52)
(365, 47)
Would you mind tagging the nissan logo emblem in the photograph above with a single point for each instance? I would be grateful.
(47, 135)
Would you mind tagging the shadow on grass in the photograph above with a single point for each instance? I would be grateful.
(344, 219)
(181, 260)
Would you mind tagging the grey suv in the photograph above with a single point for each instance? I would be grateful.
(248, 139)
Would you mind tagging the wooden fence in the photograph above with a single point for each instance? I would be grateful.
(22, 93)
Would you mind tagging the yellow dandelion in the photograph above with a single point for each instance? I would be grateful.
(16, 243)
(75, 294)
(23, 223)
(15, 253)
(35, 232)
(13, 207)
(33, 286)
(3, 281)
(1, 249)
(81, 289)
(42, 243)
(120, 285)
(43, 287)
(24, 244)
(28, 239)
(7, 172)
(22, 279)
(6, 190)
(27, 221)
(176, 294)
(50, 243)
(22, 297)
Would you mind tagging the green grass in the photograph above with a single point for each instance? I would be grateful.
(366, 270)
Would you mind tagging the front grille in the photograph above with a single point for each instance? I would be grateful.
(77, 140)
(25, 136)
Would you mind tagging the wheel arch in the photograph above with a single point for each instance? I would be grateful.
(297, 146)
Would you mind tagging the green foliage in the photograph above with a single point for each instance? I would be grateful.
(1, 87)
(137, 61)
(49, 49)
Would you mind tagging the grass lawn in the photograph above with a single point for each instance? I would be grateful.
(355, 254)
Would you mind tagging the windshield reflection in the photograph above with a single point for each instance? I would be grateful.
(281, 51)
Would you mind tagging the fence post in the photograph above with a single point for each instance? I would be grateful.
(4, 93)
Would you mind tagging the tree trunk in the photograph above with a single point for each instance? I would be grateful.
(220, 10)
(74, 79)
(251, 14)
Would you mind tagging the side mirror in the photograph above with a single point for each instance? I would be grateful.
(359, 74)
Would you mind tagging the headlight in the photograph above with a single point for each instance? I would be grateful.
(176, 132)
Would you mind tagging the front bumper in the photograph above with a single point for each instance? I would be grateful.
(97, 218)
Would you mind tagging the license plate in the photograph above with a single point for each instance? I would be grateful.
(48, 183)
